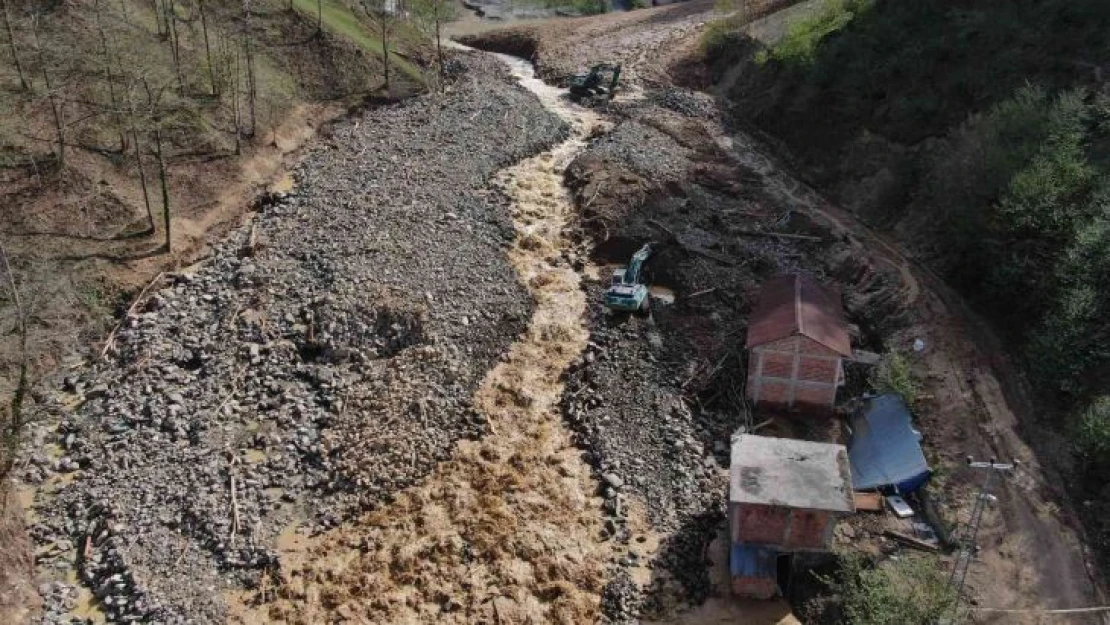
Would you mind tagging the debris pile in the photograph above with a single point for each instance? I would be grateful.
(320, 360)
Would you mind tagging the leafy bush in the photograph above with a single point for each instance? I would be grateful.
(907, 591)
(894, 375)
(1091, 432)
(798, 46)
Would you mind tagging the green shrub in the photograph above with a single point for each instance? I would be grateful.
(799, 44)
(894, 375)
(909, 591)
(1091, 432)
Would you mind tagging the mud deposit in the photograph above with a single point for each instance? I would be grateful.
(510, 529)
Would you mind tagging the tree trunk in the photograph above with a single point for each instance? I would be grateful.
(159, 13)
(236, 109)
(439, 41)
(14, 426)
(175, 44)
(164, 182)
(56, 107)
(23, 84)
(385, 49)
(252, 92)
(208, 49)
(116, 114)
(139, 164)
(319, 16)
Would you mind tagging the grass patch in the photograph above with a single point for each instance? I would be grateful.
(341, 20)
(911, 589)
(798, 46)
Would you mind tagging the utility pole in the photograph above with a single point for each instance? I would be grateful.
(968, 547)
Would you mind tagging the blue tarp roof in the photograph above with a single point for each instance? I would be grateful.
(885, 450)
(752, 561)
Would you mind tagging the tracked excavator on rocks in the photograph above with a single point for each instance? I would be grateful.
(591, 88)
(626, 292)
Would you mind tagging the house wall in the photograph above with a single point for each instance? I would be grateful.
(794, 373)
(789, 529)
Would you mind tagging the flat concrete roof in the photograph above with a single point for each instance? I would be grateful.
(790, 473)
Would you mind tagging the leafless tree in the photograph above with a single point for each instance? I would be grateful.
(383, 14)
(138, 153)
(175, 43)
(429, 16)
(159, 14)
(24, 84)
(15, 416)
(208, 48)
(252, 90)
(157, 110)
(109, 77)
(57, 103)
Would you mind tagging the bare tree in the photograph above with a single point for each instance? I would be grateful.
(106, 53)
(156, 107)
(12, 47)
(57, 103)
(134, 127)
(208, 48)
(383, 14)
(15, 417)
(252, 91)
(162, 178)
(175, 43)
(319, 16)
(159, 14)
(429, 16)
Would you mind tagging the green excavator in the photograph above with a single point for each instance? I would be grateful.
(626, 292)
(591, 88)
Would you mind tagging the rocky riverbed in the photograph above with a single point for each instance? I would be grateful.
(320, 360)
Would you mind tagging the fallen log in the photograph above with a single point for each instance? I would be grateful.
(778, 235)
(910, 541)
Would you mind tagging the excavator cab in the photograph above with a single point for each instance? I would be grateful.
(592, 87)
(626, 292)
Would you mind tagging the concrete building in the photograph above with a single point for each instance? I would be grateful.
(787, 494)
(797, 340)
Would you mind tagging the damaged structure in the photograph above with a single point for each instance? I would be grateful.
(797, 341)
(785, 495)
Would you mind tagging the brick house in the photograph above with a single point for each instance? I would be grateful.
(797, 340)
(787, 494)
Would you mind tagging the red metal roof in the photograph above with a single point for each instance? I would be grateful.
(796, 304)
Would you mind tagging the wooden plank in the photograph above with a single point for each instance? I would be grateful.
(868, 502)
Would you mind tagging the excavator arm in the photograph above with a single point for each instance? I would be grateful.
(636, 265)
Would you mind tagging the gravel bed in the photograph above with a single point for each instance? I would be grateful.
(319, 361)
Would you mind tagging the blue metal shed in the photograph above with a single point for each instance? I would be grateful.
(885, 450)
